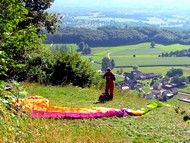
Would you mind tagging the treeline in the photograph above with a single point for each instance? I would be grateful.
(114, 36)
(178, 53)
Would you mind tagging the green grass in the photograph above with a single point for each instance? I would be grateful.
(173, 47)
(187, 89)
(72, 47)
(123, 55)
(139, 49)
(125, 61)
(157, 70)
(144, 50)
(161, 125)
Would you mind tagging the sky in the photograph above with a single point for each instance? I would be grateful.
(179, 3)
(168, 6)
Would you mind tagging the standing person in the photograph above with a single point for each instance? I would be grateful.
(110, 77)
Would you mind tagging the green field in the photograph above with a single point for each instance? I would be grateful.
(144, 55)
(139, 49)
(72, 47)
(169, 61)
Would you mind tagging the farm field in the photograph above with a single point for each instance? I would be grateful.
(159, 69)
(140, 54)
(165, 61)
(72, 47)
(146, 58)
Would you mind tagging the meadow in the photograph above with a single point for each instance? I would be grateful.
(146, 58)
(160, 125)
(144, 55)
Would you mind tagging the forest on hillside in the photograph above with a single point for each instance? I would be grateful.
(114, 36)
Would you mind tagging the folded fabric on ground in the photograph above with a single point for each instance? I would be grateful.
(40, 108)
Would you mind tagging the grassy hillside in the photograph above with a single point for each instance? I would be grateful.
(144, 55)
(161, 125)
(123, 55)
(72, 47)
(149, 61)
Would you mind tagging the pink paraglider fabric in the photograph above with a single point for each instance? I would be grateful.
(40, 108)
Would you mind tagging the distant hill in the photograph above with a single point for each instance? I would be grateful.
(113, 36)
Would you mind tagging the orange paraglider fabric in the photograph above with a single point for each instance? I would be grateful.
(40, 108)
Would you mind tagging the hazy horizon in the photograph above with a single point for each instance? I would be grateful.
(123, 3)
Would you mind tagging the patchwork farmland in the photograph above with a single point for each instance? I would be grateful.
(140, 54)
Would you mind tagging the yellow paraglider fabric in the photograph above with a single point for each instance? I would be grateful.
(40, 108)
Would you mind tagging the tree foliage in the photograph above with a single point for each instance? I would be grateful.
(86, 50)
(69, 68)
(40, 65)
(179, 80)
(135, 68)
(39, 17)
(15, 42)
(152, 44)
(21, 22)
(114, 36)
(105, 63)
(22, 55)
(81, 46)
(178, 53)
(112, 63)
(174, 72)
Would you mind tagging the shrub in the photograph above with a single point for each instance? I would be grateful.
(69, 68)
(58, 68)
(40, 66)
(174, 72)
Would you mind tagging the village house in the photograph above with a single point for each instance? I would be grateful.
(157, 86)
(161, 91)
(142, 76)
(164, 94)
(123, 86)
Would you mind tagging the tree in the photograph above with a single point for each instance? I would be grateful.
(86, 49)
(105, 63)
(174, 72)
(21, 22)
(15, 41)
(131, 76)
(69, 68)
(152, 44)
(81, 46)
(152, 82)
(39, 17)
(120, 71)
(112, 63)
(179, 80)
(135, 68)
